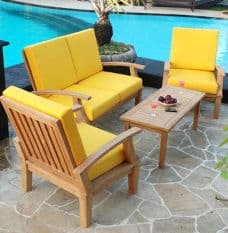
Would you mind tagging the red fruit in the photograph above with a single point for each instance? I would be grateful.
(161, 99)
(168, 97)
(174, 100)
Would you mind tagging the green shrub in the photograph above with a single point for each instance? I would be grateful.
(113, 48)
(223, 162)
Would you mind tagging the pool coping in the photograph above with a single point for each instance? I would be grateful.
(87, 6)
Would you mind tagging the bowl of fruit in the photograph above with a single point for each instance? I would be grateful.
(167, 100)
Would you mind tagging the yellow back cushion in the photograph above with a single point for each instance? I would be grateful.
(53, 109)
(84, 52)
(194, 48)
(51, 65)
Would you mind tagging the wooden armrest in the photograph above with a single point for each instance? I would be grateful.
(219, 78)
(132, 66)
(166, 73)
(166, 66)
(219, 71)
(77, 101)
(62, 92)
(126, 135)
(77, 107)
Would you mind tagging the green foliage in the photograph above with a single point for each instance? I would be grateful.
(223, 162)
(113, 48)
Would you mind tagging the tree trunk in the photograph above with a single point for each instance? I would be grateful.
(103, 31)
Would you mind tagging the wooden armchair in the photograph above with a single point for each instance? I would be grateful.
(192, 61)
(78, 158)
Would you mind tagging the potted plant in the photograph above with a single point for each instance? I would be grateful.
(111, 51)
(103, 27)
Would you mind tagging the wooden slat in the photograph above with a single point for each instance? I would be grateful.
(34, 139)
(40, 139)
(58, 152)
(66, 149)
(49, 145)
(27, 136)
(59, 144)
(15, 120)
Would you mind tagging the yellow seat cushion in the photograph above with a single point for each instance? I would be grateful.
(122, 84)
(50, 64)
(194, 79)
(53, 109)
(84, 52)
(101, 100)
(92, 139)
(194, 48)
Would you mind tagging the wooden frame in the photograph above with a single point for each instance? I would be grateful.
(78, 97)
(163, 122)
(216, 98)
(43, 149)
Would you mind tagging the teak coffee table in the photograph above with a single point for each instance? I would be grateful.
(158, 120)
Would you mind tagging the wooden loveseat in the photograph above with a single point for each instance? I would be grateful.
(68, 70)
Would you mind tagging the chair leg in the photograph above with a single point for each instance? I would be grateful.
(26, 175)
(138, 97)
(85, 202)
(133, 180)
(218, 101)
(26, 178)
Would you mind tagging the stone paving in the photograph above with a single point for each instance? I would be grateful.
(187, 196)
(86, 5)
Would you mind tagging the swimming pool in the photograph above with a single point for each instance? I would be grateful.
(23, 25)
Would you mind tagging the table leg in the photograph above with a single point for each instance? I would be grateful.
(163, 146)
(196, 116)
(127, 126)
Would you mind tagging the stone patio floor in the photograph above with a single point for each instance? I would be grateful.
(187, 196)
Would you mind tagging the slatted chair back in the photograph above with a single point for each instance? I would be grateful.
(42, 138)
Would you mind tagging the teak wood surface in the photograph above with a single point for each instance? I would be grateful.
(163, 122)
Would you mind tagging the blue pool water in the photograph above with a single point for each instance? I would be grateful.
(23, 25)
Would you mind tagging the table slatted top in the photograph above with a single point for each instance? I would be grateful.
(141, 114)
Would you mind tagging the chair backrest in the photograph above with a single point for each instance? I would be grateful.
(85, 54)
(58, 63)
(46, 130)
(50, 64)
(194, 49)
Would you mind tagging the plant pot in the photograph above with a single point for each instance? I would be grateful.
(129, 56)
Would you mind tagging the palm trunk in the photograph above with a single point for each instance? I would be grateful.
(103, 30)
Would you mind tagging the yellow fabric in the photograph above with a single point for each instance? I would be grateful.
(124, 85)
(92, 139)
(84, 52)
(194, 79)
(56, 110)
(101, 100)
(194, 48)
(51, 64)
